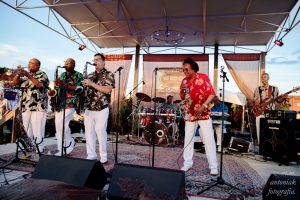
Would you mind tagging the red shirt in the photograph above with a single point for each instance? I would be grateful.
(200, 89)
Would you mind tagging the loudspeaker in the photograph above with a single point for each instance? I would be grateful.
(282, 187)
(81, 172)
(239, 145)
(139, 182)
(277, 139)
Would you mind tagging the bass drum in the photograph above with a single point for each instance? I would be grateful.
(160, 133)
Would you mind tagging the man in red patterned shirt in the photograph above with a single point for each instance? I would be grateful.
(197, 93)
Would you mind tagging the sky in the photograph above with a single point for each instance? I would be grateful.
(21, 38)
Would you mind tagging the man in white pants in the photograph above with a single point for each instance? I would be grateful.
(197, 92)
(99, 86)
(67, 85)
(34, 100)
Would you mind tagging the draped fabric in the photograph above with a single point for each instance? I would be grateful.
(112, 63)
(169, 73)
(244, 68)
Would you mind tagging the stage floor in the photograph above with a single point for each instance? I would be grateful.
(249, 163)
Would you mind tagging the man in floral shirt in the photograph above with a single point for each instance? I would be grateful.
(68, 83)
(197, 92)
(34, 100)
(99, 86)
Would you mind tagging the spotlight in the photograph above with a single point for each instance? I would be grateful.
(81, 47)
(278, 42)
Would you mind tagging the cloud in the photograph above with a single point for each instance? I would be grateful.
(7, 50)
(283, 61)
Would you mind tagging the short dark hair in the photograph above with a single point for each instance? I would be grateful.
(101, 55)
(193, 64)
(169, 96)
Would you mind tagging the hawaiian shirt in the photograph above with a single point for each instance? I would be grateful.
(199, 89)
(71, 99)
(33, 98)
(165, 106)
(263, 93)
(96, 100)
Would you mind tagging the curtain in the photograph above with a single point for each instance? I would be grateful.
(112, 63)
(244, 68)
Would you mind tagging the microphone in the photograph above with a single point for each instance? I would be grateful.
(119, 69)
(61, 66)
(143, 82)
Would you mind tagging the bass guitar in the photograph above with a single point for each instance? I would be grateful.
(259, 109)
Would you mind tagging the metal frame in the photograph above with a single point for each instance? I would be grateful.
(78, 36)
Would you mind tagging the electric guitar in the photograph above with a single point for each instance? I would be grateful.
(259, 109)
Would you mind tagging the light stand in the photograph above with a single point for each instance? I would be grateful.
(118, 114)
(220, 180)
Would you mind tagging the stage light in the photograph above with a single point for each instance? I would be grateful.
(81, 47)
(278, 43)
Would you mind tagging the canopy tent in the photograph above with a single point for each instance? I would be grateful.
(119, 23)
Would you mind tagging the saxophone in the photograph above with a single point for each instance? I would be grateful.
(54, 99)
(187, 102)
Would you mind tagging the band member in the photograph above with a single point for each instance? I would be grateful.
(34, 100)
(99, 86)
(168, 105)
(264, 93)
(4, 109)
(67, 84)
(218, 106)
(197, 92)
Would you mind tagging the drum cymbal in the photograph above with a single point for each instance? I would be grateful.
(177, 101)
(143, 97)
(159, 100)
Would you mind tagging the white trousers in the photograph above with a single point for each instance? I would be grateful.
(59, 127)
(34, 123)
(257, 120)
(95, 123)
(208, 139)
(218, 129)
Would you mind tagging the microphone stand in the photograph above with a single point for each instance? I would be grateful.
(118, 114)
(220, 180)
(154, 117)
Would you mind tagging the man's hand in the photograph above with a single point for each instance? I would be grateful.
(60, 83)
(198, 110)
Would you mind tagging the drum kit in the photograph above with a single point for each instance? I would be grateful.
(162, 122)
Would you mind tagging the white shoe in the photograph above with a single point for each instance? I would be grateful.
(214, 172)
(71, 147)
(91, 158)
(58, 153)
(186, 168)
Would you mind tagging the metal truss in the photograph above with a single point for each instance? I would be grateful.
(57, 24)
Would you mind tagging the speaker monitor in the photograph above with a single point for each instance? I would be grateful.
(80, 172)
(282, 187)
(277, 139)
(139, 182)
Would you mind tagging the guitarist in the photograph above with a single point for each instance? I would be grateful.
(262, 94)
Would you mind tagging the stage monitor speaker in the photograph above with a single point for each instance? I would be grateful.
(75, 171)
(239, 145)
(277, 139)
(282, 187)
(139, 182)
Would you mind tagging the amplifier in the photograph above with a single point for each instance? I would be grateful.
(281, 114)
(239, 145)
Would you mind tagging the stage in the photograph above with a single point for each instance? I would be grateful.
(248, 172)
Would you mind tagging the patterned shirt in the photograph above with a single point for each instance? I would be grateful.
(96, 100)
(75, 79)
(34, 99)
(199, 89)
(263, 93)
